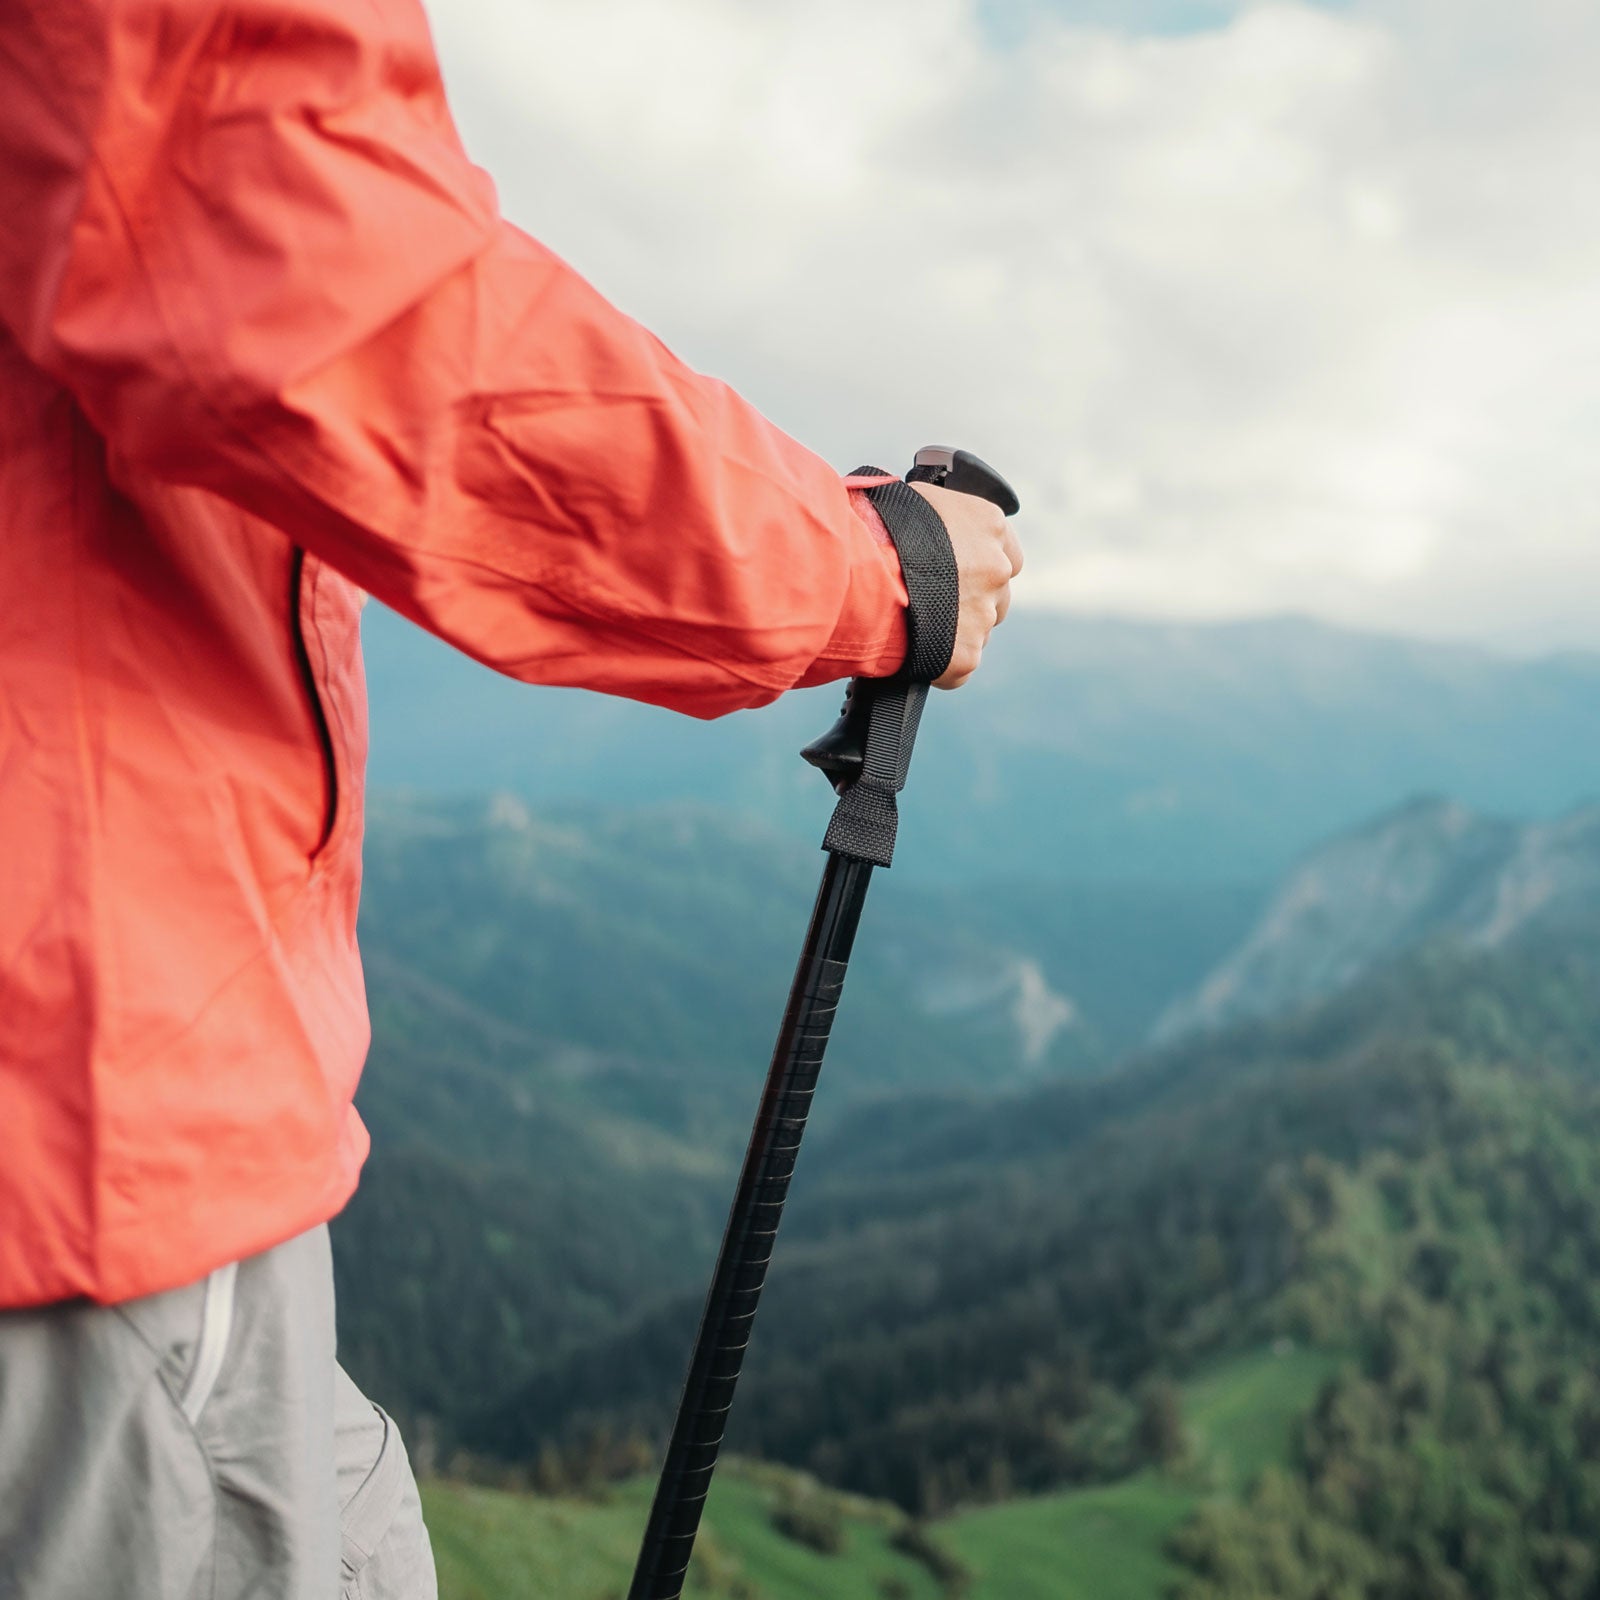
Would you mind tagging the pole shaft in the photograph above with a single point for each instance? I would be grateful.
(752, 1230)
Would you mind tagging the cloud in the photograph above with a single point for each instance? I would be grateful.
(1296, 311)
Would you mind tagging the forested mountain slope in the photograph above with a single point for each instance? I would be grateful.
(572, 1015)
(993, 1282)
(1410, 1174)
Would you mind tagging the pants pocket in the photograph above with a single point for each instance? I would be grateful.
(385, 1553)
(216, 1327)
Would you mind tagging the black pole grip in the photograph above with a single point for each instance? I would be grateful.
(866, 755)
(964, 473)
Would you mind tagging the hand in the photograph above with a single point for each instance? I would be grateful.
(988, 557)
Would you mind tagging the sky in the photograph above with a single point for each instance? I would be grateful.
(1264, 308)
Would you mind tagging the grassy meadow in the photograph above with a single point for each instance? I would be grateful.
(1099, 1543)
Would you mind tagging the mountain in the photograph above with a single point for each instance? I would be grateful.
(1366, 1227)
(1404, 1179)
(572, 1013)
(649, 952)
(1086, 749)
(1431, 869)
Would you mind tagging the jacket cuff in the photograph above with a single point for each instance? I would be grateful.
(869, 639)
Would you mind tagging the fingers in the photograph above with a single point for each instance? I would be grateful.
(980, 615)
(986, 598)
(988, 556)
(1002, 569)
(1012, 547)
(956, 673)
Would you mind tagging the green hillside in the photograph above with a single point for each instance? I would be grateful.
(1083, 1544)
(1108, 1542)
(1103, 1543)
(491, 1545)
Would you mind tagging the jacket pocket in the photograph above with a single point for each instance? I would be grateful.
(301, 595)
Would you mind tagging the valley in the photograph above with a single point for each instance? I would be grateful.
(1222, 1233)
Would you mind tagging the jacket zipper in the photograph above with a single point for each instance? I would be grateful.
(313, 693)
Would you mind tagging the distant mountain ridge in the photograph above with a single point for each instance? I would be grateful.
(1431, 869)
(1087, 749)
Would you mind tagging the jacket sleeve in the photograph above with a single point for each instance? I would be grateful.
(246, 238)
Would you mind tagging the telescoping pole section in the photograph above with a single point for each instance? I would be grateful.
(866, 757)
(752, 1229)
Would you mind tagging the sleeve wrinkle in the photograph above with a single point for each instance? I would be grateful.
(327, 338)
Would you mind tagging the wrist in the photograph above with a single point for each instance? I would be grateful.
(870, 636)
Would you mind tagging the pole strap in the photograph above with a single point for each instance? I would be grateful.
(867, 817)
(928, 564)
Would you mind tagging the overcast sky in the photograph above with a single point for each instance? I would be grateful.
(1263, 307)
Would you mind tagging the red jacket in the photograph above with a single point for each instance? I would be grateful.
(266, 343)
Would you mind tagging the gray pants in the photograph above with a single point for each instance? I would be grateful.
(202, 1445)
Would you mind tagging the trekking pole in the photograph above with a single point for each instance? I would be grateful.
(865, 757)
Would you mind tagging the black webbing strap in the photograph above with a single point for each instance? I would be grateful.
(865, 820)
(929, 566)
(867, 817)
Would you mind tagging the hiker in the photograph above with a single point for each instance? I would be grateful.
(266, 346)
